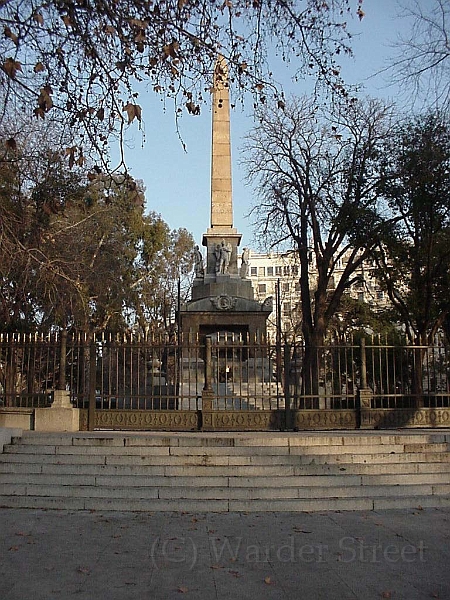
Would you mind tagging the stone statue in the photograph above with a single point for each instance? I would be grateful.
(198, 263)
(268, 303)
(245, 261)
(225, 256)
(217, 253)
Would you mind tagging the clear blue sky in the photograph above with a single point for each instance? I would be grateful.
(178, 182)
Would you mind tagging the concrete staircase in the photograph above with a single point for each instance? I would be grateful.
(305, 471)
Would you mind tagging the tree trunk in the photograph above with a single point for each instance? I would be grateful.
(312, 368)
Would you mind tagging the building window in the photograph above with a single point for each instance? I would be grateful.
(287, 308)
(262, 288)
(262, 271)
(361, 296)
(253, 271)
(380, 295)
(297, 287)
(285, 287)
(294, 270)
(269, 271)
(286, 271)
(278, 270)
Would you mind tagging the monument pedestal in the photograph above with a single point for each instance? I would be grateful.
(61, 416)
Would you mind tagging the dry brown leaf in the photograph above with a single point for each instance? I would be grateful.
(45, 101)
(38, 18)
(11, 67)
(12, 36)
(11, 144)
(182, 589)
(268, 580)
(300, 530)
(83, 570)
(133, 111)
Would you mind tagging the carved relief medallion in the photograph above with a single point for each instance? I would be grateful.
(224, 302)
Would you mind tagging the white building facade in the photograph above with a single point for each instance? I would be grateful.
(268, 271)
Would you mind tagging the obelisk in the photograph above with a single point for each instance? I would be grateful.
(221, 230)
(222, 299)
(221, 188)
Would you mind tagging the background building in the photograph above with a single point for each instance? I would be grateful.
(267, 269)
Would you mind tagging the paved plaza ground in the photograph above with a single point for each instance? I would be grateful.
(397, 554)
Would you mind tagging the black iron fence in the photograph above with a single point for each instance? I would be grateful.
(319, 387)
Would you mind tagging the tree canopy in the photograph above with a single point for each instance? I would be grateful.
(421, 64)
(81, 61)
(78, 250)
(316, 181)
(414, 257)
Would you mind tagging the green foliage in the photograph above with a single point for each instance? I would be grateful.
(413, 258)
(77, 249)
(360, 320)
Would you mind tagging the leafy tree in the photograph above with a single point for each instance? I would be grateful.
(316, 176)
(81, 61)
(355, 316)
(414, 259)
(165, 282)
(76, 247)
(29, 195)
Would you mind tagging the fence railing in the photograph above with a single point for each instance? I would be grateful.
(131, 372)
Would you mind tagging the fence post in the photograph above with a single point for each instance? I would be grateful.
(365, 394)
(207, 392)
(363, 364)
(92, 383)
(287, 386)
(61, 398)
(62, 360)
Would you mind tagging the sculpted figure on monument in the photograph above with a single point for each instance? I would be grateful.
(198, 262)
(225, 256)
(217, 253)
(245, 261)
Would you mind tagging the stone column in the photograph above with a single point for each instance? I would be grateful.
(221, 190)
(221, 230)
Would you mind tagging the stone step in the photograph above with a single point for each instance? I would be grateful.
(219, 493)
(225, 472)
(49, 464)
(200, 506)
(220, 479)
(332, 504)
(224, 459)
(96, 467)
(232, 440)
(351, 454)
(114, 504)
(262, 465)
